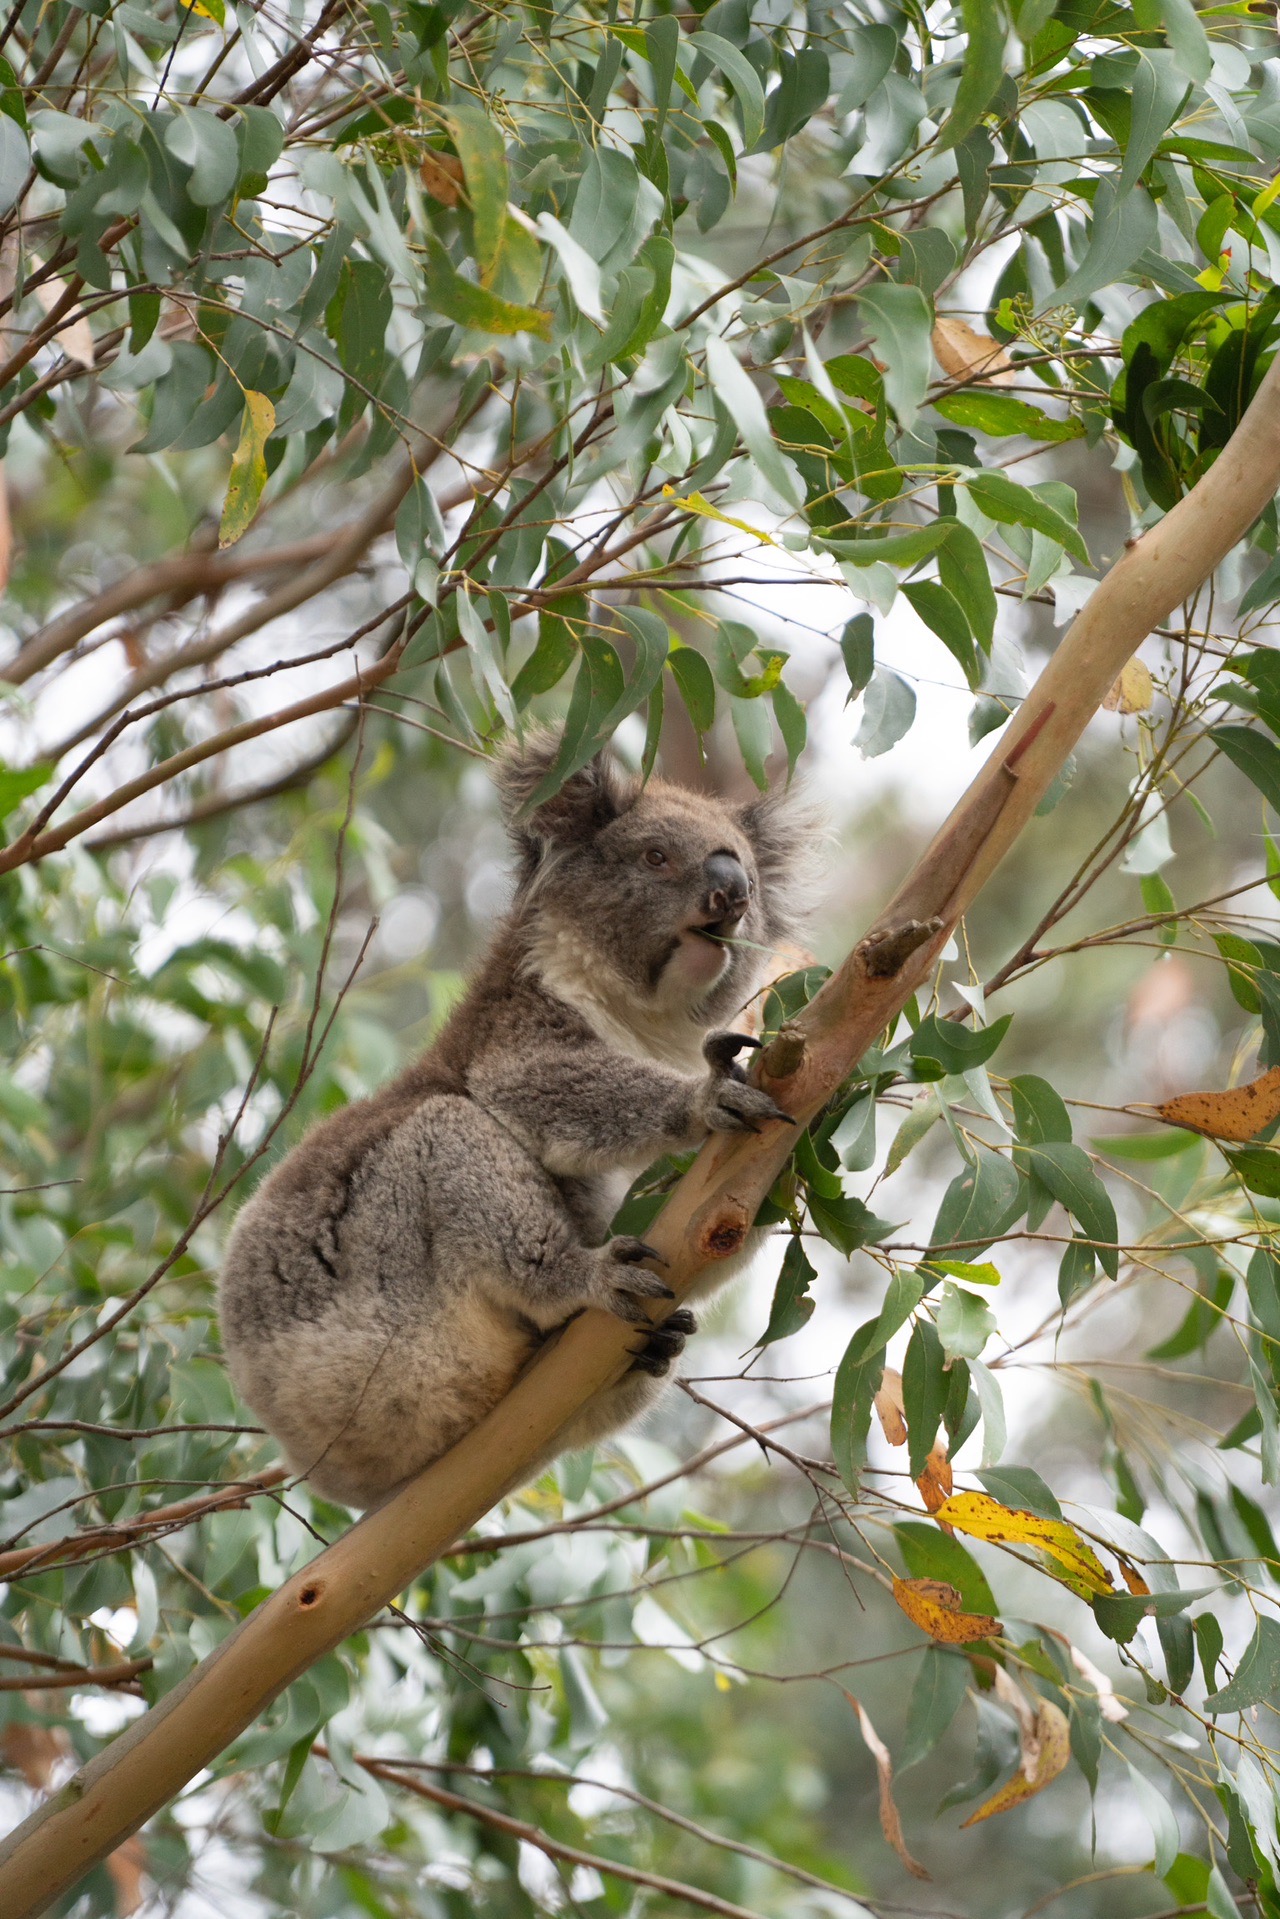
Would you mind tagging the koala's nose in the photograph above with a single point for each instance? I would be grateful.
(728, 888)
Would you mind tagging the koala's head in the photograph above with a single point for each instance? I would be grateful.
(676, 896)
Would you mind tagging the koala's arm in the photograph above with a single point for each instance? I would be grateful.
(585, 1109)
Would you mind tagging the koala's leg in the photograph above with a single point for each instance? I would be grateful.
(634, 1394)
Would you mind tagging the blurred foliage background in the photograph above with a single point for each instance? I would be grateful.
(760, 388)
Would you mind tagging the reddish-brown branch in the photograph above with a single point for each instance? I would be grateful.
(126, 1532)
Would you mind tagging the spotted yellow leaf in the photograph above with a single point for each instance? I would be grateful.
(1239, 1114)
(936, 1608)
(248, 474)
(1075, 1563)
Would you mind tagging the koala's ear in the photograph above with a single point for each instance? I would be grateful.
(587, 801)
(786, 831)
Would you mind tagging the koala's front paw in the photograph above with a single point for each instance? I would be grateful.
(623, 1286)
(727, 1103)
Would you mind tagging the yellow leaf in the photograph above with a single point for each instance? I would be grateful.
(890, 1822)
(1239, 1114)
(889, 1409)
(965, 354)
(248, 468)
(211, 9)
(1266, 198)
(1133, 691)
(1078, 1566)
(937, 1609)
(695, 503)
(1046, 1748)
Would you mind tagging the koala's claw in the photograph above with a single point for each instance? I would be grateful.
(733, 1106)
(720, 1050)
(625, 1288)
(663, 1344)
(630, 1250)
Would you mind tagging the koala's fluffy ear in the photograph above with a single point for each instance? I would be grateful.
(587, 801)
(786, 830)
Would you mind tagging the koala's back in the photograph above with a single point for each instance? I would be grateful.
(355, 1320)
(357, 1324)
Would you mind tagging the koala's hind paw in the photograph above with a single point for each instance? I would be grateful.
(624, 1286)
(664, 1344)
(720, 1050)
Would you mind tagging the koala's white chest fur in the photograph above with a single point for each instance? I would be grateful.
(570, 967)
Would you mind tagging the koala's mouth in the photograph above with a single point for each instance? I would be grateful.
(714, 931)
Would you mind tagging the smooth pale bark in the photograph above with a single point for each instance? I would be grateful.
(705, 1218)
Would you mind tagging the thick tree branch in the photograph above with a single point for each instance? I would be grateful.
(706, 1218)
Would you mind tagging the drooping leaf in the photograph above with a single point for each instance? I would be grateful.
(792, 1307)
(248, 475)
(1257, 1675)
(1257, 757)
(1065, 1171)
(482, 151)
(890, 1819)
(1046, 1752)
(937, 1693)
(956, 1048)
(986, 28)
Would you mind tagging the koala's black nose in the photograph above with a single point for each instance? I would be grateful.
(728, 888)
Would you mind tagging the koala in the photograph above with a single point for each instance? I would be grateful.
(397, 1272)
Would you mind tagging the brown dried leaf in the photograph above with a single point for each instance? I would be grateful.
(126, 1866)
(1133, 1579)
(33, 1750)
(1133, 691)
(1239, 1114)
(935, 1482)
(965, 354)
(441, 175)
(889, 1408)
(938, 1609)
(1046, 1748)
(890, 1822)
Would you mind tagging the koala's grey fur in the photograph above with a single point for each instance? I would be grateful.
(395, 1274)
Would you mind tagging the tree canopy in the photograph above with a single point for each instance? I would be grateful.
(380, 381)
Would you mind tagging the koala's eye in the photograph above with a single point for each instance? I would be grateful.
(656, 858)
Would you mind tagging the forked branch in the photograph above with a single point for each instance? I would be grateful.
(706, 1217)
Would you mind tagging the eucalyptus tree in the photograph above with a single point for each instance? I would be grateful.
(379, 381)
